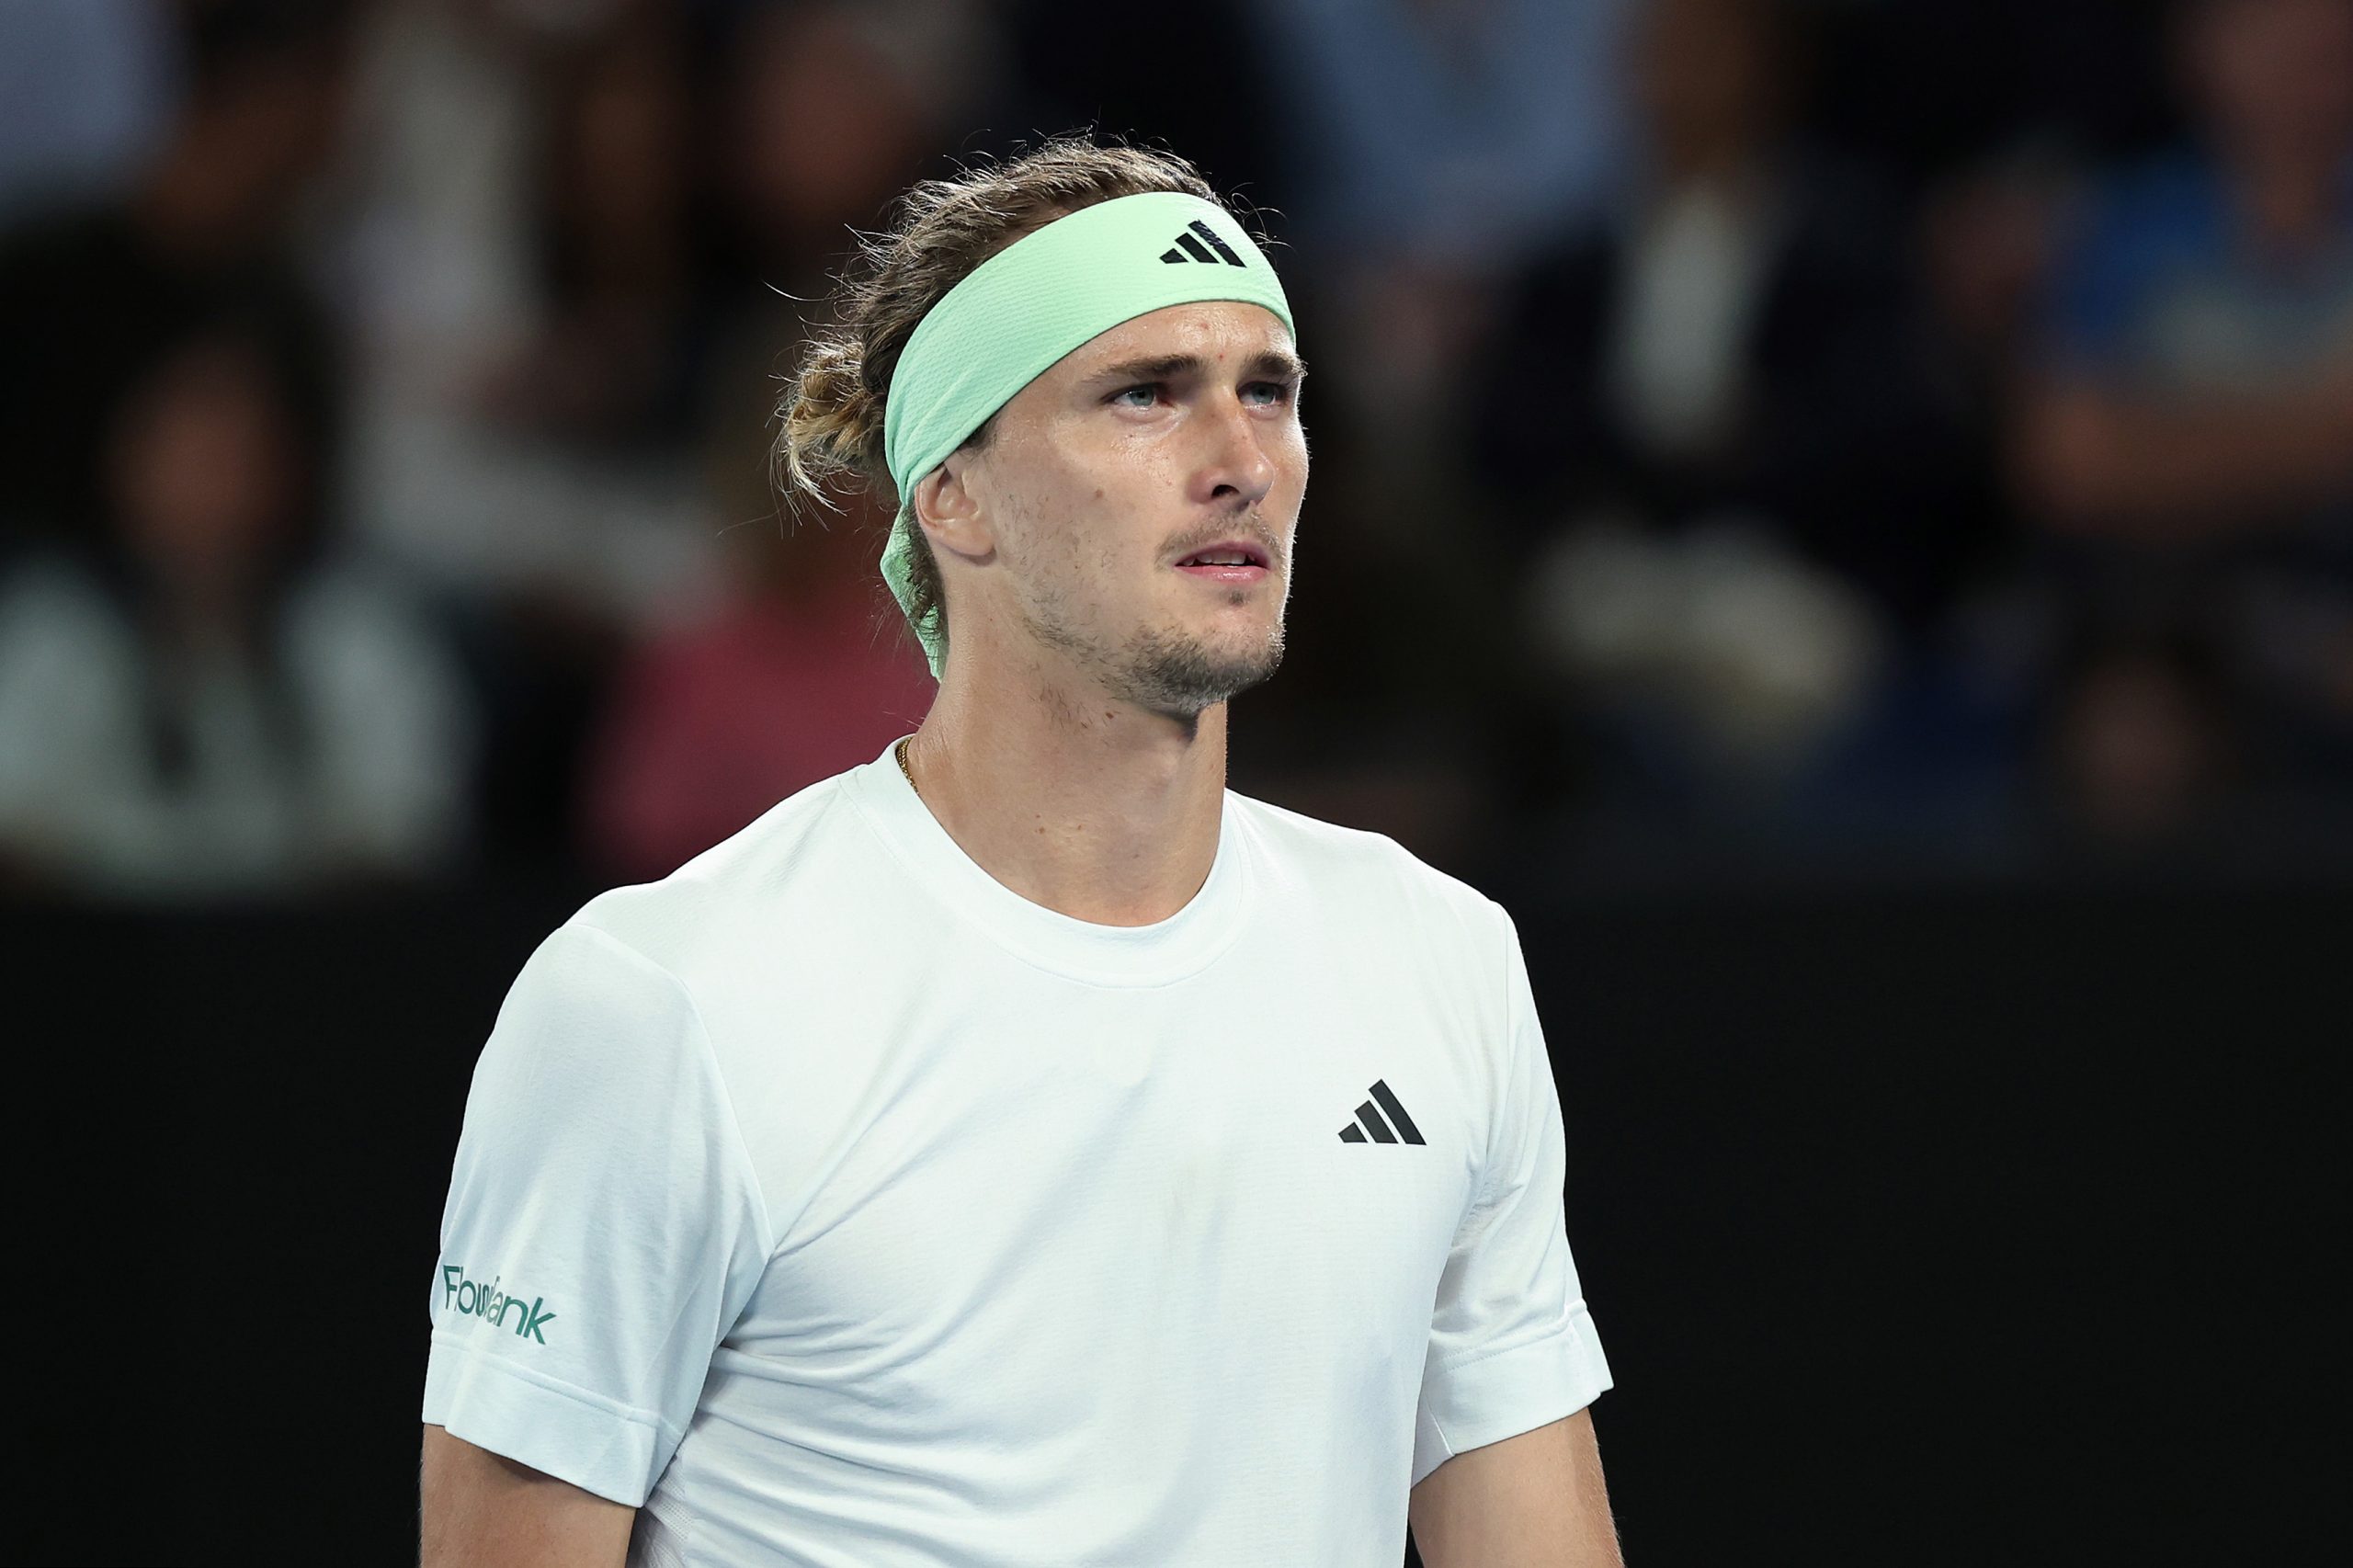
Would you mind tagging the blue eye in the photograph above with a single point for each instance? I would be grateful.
(1151, 391)
(1281, 391)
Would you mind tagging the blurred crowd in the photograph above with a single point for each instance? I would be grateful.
(1795, 431)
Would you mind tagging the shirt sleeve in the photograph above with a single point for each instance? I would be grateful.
(603, 1230)
(1512, 1346)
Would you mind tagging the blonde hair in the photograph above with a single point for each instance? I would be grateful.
(831, 416)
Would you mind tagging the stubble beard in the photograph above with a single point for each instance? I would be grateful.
(1174, 674)
(1180, 676)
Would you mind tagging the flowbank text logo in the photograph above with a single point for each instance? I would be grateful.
(477, 1300)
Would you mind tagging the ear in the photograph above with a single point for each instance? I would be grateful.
(951, 513)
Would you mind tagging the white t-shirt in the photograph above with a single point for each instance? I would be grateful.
(838, 1206)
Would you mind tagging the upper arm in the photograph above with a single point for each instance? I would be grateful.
(481, 1507)
(604, 1228)
(1536, 1500)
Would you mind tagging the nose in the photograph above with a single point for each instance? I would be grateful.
(1235, 465)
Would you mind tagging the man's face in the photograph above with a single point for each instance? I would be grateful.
(1158, 442)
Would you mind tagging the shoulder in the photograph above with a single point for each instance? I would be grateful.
(637, 971)
(1350, 873)
(744, 896)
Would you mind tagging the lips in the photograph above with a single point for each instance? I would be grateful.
(1226, 554)
(1246, 572)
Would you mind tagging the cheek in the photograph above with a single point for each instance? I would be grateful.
(1102, 526)
(1284, 500)
(1294, 460)
(1057, 545)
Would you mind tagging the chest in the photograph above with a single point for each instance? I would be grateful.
(1265, 1171)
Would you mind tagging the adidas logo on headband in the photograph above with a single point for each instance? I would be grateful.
(1197, 251)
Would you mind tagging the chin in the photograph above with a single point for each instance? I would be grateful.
(1182, 675)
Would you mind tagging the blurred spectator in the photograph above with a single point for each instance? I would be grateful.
(559, 417)
(86, 97)
(803, 667)
(821, 115)
(828, 109)
(202, 700)
(1990, 234)
(1721, 335)
(433, 262)
(614, 360)
(1427, 144)
(2199, 374)
(805, 670)
(1433, 144)
(2187, 431)
(513, 242)
(1713, 422)
(2143, 746)
(1992, 231)
(86, 294)
(513, 249)
(1445, 132)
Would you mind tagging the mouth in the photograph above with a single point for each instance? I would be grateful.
(1229, 561)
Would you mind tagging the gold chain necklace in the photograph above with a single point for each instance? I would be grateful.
(900, 751)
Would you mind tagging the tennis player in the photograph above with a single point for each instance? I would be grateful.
(1022, 1149)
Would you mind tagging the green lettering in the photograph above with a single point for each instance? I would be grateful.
(475, 1298)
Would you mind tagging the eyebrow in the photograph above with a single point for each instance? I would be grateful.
(1268, 364)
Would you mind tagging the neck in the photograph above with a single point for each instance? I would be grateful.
(1091, 807)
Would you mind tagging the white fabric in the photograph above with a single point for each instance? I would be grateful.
(887, 1218)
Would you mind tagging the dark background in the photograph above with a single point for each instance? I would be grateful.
(1840, 513)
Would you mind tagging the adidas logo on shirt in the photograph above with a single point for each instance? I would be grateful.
(1190, 247)
(1369, 1121)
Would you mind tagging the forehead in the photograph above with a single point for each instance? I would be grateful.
(1210, 328)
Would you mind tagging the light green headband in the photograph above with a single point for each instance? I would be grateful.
(1027, 306)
